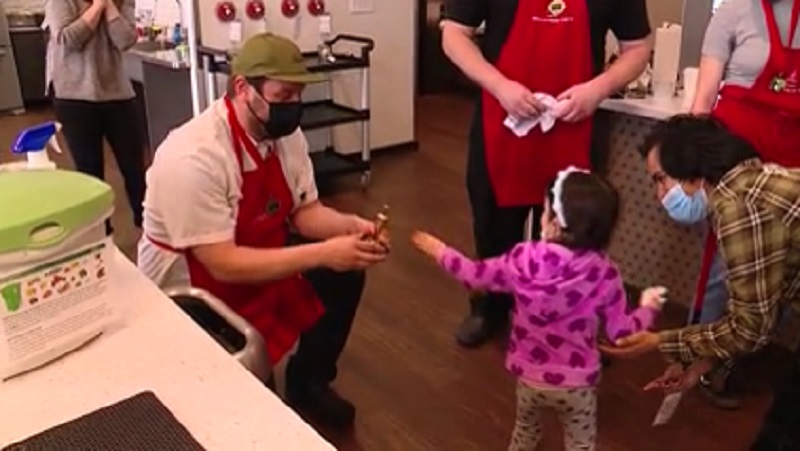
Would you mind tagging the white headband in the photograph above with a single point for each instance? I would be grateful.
(558, 187)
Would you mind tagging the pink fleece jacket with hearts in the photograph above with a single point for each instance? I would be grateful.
(560, 298)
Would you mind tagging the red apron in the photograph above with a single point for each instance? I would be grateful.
(280, 310)
(766, 114)
(537, 56)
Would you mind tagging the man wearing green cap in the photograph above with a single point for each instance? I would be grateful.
(222, 194)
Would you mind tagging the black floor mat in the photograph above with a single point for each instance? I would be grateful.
(139, 423)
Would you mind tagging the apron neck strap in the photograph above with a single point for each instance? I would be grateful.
(772, 23)
(240, 138)
(794, 22)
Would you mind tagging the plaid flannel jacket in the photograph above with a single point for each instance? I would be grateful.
(756, 216)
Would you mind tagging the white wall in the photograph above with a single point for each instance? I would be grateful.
(22, 6)
(661, 11)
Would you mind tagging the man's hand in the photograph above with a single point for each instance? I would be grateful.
(633, 345)
(351, 252)
(366, 229)
(361, 226)
(517, 100)
(428, 244)
(677, 379)
(667, 381)
(579, 102)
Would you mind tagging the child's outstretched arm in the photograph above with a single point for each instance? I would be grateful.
(619, 322)
(490, 275)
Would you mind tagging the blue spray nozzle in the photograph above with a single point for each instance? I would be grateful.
(36, 138)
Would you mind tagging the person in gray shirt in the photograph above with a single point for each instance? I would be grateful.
(93, 97)
(748, 79)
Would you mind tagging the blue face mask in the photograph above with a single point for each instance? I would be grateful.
(684, 208)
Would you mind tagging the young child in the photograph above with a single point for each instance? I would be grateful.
(563, 286)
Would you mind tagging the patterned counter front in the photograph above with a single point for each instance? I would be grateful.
(648, 246)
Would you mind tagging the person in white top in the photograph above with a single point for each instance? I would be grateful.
(223, 193)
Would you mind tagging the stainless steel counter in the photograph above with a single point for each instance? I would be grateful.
(170, 59)
(163, 87)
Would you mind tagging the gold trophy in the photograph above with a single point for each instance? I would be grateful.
(381, 234)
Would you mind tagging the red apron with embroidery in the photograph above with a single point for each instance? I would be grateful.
(548, 50)
(767, 115)
(281, 310)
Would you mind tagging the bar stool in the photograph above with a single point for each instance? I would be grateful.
(228, 329)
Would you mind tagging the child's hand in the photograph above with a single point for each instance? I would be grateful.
(428, 244)
(653, 297)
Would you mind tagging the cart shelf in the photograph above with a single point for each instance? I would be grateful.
(326, 113)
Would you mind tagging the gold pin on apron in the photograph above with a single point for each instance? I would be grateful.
(556, 7)
(273, 206)
(778, 84)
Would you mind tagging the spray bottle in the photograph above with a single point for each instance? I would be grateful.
(34, 142)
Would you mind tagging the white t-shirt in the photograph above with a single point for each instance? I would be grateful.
(194, 187)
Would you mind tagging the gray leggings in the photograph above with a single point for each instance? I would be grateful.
(575, 407)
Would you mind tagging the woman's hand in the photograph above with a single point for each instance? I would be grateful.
(112, 11)
(428, 244)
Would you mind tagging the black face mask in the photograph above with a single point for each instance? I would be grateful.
(284, 118)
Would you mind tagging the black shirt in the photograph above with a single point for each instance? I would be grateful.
(627, 19)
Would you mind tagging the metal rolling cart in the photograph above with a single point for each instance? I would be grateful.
(319, 114)
(328, 113)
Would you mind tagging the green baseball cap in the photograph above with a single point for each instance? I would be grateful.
(275, 57)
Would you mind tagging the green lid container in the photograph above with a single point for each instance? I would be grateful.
(41, 208)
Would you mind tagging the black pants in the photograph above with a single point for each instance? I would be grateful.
(319, 349)
(496, 229)
(780, 430)
(87, 123)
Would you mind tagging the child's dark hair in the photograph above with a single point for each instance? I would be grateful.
(590, 207)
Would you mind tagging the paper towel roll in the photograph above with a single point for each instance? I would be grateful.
(689, 86)
(666, 60)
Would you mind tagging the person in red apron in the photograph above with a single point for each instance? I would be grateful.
(222, 193)
(764, 111)
(529, 47)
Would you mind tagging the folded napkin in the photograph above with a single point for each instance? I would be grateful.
(545, 120)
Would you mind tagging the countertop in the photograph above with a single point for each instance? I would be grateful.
(649, 107)
(170, 59)
(156, 348)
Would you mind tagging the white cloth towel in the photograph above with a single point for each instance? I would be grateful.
(545, 120)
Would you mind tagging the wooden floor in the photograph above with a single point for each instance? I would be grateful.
(415, 389)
